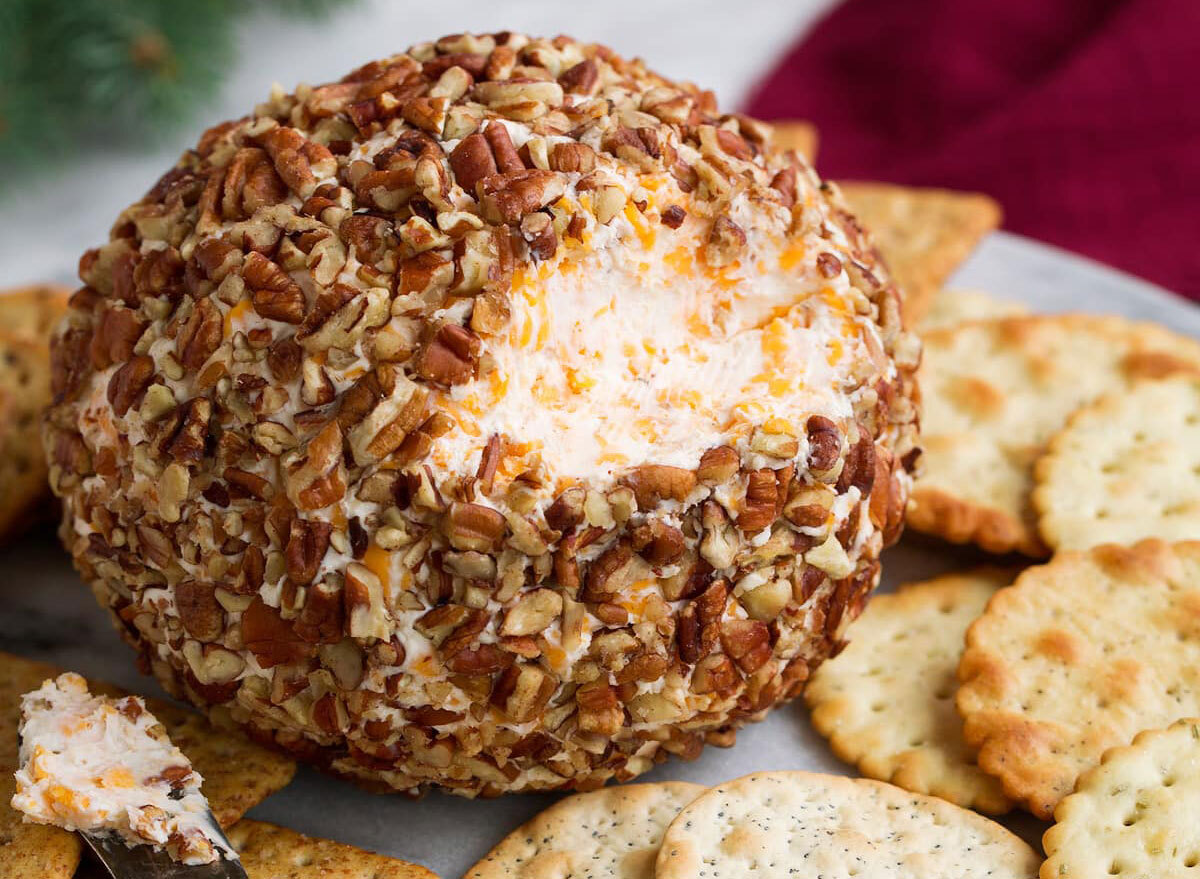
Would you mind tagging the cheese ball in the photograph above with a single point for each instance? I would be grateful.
(501, 417)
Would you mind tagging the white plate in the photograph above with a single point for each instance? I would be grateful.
(45, 613)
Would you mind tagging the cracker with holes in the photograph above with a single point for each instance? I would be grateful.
(923, 234)
(237, 773)
(270, 852)
(953, 305)
(774, 824)
(886, 702)
(1124, 468)
(1078, 656)
(996, 391)
(613, 832)
(25, 388)
(1134, 815)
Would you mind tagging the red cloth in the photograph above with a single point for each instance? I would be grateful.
(1082, 117)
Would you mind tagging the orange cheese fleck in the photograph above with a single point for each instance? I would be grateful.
(235, 313)
(118, 776)
(791, 257)
(379, 562)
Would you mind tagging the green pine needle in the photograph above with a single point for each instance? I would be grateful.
(76, 71)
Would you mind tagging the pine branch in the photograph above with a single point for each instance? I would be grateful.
(74, 71)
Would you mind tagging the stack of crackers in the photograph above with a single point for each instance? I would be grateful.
(238, 775)
(1068, 688)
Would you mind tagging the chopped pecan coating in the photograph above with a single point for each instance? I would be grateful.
(264, 428)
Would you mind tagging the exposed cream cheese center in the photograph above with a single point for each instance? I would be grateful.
(95, 764)
(640, 352)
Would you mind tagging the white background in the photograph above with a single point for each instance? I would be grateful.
(48, 221)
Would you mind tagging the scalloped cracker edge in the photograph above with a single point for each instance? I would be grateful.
(1076, 657)
(886, 702)
(1133, 815)
(996, 391)
(1124, 468)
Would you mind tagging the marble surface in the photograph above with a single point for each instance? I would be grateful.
(45, 613)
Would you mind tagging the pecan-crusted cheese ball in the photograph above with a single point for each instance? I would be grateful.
(500, 417)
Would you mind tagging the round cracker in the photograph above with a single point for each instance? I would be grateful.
(951, 306)
(1124, 468)
(886, 702)
(996, 391)
(785, 824)
(1134, 815)
(610, 833)
(1076, 657)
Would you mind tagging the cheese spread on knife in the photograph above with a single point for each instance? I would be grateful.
(100, 765)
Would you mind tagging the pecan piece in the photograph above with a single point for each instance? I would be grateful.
(321, 620)
(473, 527)
(274, 294)
(538, 231)
(270, 638)
(294, 158)
(306, 546)
(472, 161)
(572, 158)
(115, 336)
(200, 335)
(652, 483)
(319, 478)
(657, 542)
(580, 79)
(507, 197)
(250, 484)
(747, 642)
(717, 465)
(824, 447)
(567, 510)
(522, 691)
(673, 216)
(366, 614)
(503, 150)
(128, 383)
(600, 710)
(759, 506)
(199, 611)
(448, 356)
(726, 242)
(715, 674)
(284, 358)
(784, 182)
(532, 613)
(859, 468)
(188, 431)
(607, 574)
